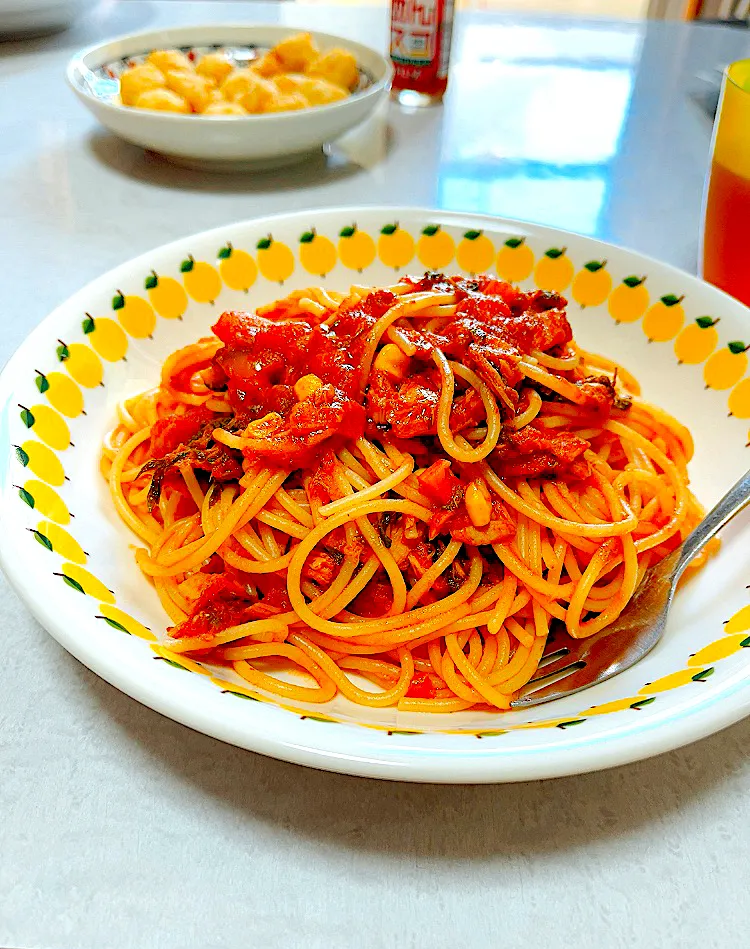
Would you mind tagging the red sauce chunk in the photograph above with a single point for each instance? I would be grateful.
(421, 687)
(168, 434)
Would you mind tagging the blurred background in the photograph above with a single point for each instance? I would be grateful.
(620, 9)
(735, 12)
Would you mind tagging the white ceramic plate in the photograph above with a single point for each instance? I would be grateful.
(223, 142)
(79, 578)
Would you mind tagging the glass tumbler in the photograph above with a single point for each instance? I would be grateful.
(726, 219)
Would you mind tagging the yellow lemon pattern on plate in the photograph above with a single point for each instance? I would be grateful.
(629, 300)
(395, 246)
(201, 280)
(356, 248)
(554, 271)
(515, 260)
(231, 688)
(82, 363)
(619, 705)
(739, 399)
(41, 461)
(275, 260)
(84, 581)
(237, 268)
(57, 539)
(123, 622)
(592, 284)
(61, 392)
(697, 341)
(721, 649)
(561, 723)
(676, 679)
(166, 295)
(475, 252)
(739, 622)
(47, 425)
(317, 253)
(179, 661)
(135, 314)
(46, 500)
(107, 337)
(435, 247)
(664, 319)
(727, 366)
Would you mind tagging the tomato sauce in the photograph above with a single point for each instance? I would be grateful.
(300, 428)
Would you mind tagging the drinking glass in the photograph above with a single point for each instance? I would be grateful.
(726, 221)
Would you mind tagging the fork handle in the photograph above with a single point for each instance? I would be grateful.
(732, 503)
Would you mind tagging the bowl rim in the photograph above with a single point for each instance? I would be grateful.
(77, 63)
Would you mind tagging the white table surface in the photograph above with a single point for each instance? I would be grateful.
(122, 830)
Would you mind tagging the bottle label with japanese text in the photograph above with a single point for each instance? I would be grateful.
(420, 43)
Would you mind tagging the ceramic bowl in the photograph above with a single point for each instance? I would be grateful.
(215, 141)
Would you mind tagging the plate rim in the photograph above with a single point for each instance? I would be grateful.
(395, 760)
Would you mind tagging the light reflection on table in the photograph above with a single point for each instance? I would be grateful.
(540, 145)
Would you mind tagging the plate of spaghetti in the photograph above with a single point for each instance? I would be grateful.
(359, 467)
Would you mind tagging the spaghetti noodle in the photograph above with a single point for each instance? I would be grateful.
(396, 492)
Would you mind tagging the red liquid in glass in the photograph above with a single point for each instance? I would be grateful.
(726, 233)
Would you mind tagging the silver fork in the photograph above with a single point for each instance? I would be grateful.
(569, 665)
